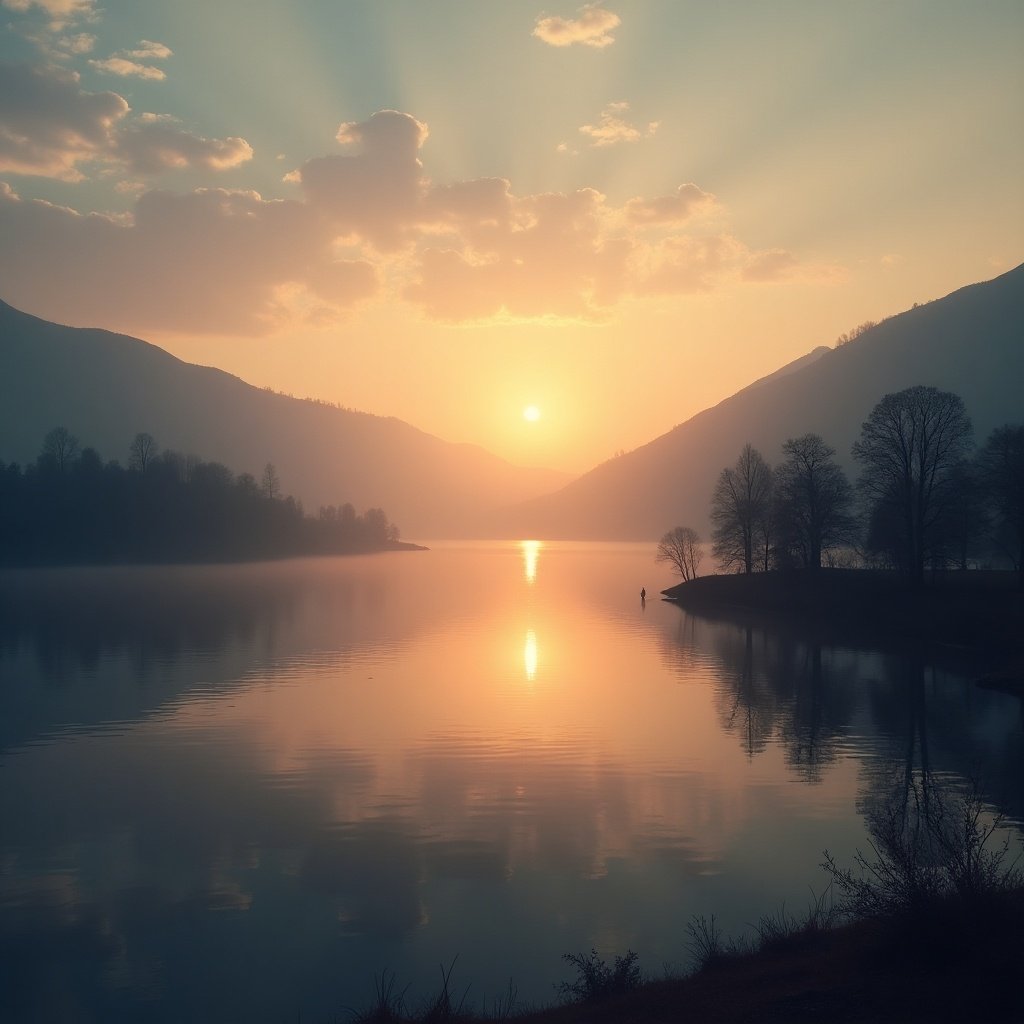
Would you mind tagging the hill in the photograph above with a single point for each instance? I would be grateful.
(107, 387)
(968, 342)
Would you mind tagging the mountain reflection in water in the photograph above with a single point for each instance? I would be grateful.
(240, 792)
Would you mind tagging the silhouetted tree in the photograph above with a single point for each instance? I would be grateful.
(741, 511)
(141, 451)
(965, 518)
(813, 498)
(1001, 468)
(908, 448)
(62, 446)
(271, 483)
(681, 548)
(847, 336)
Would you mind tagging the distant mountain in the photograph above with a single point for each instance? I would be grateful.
(970, 342)
(107, 387)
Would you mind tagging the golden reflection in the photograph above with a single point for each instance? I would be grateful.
(530, 655)
(531, 549)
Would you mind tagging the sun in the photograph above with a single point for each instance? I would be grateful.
(531, 414)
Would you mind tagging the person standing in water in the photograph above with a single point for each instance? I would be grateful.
(643, 595)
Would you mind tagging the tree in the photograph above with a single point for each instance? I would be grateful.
(1001, 468)
(966, 518)
(681, 548)
(814, 499)
(741, 510)
(852, 335)
(62, 446)
(271, 483)
(908, 449)
(141, 451)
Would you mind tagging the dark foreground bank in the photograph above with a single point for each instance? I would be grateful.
(957, 962)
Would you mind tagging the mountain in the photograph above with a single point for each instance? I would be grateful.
(970, 342)
(105, 388)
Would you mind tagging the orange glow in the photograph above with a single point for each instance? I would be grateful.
(531, 551)
(530, 656)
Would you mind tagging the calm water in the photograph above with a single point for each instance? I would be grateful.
(241, 792)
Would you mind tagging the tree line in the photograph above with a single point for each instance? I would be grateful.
(925, 498)
(71, 507)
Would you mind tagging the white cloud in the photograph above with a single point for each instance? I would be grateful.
(75, 45)
(147, 50)
(613, 129)
(209, 260)
(154, 146)
(229, 261)
(592, 26)
(687, 201)
(49, 126)
(60, 13)
(129, 63)
(374, 192)
(125, 68)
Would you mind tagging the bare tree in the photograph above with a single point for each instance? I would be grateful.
(741, 511)
(271, 482)
(141, 451)
(681, 548)
(1001, 467)
(814, 499)
(908, 449)
(852, 335)
(62, 446)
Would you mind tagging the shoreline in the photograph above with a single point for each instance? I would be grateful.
(974, 613)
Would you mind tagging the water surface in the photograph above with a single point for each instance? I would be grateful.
(241, 792)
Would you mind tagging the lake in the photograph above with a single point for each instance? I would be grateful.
(241, 792)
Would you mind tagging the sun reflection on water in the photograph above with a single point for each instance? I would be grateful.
(530, 656)
(531, 551)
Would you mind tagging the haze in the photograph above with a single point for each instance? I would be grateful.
(616, 214)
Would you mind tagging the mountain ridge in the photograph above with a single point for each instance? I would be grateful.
(966, 342)
(105, 387)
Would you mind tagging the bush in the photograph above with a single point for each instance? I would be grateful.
(596, 980)
(926, 846)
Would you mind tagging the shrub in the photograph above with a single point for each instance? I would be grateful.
(596, 980)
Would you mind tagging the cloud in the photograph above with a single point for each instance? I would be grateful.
(75, 45)
(547, 257)
(128, 63)
(56, 36)
(373, 193)
(212, 260)
(687, 201)
(49, 126)
(613, 129)
(682, 264)
(230, 261)
(60, 13)
(592, 27)
(125, 68)
(148, 50)
(779, 265)
(153, 146)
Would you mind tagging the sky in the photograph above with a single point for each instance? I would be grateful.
(612, 215)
